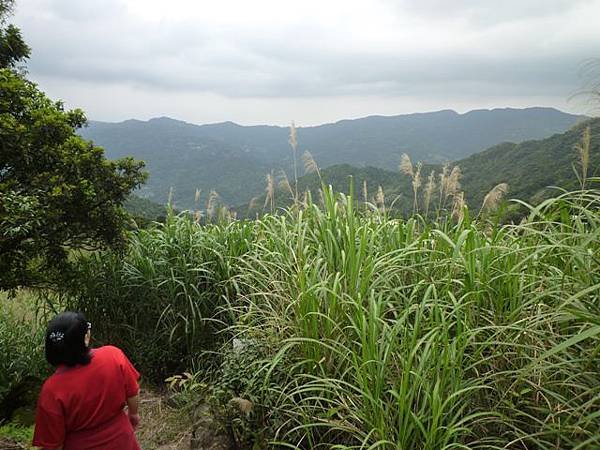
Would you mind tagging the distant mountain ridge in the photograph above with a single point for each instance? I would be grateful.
(530, 168)
(233, 159)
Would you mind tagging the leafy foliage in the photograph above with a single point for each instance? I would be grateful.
(22, 362)
(57, 190)
(364, 331)
(13, 49)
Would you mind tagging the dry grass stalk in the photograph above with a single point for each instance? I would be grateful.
(170, 197)
(211, 206)
(458, 207)
(197, 196)
(253, 203)
(198, 216)
(293, 140)
(270, 191)
(405, 166)
(380, 199)
(452, 186)
(443, 182)
(305, 199)
(365, 192)
(243, 405)
(310, 165)
(492, 198)
(284, 183)
(429, 188)
(583, 152)
(416, 184)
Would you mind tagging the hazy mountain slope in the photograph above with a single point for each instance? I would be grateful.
(234, 159)
(379, 141)
(529, 168)
(178, 157)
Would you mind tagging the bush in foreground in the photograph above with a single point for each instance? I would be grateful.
(376, 333)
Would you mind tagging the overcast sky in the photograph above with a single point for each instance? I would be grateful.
(314, 61)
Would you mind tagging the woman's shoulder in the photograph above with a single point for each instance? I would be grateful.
(108, 352)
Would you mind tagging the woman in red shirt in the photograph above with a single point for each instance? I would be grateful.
(82, 405)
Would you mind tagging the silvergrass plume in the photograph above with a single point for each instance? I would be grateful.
(310, 165)
(492, 198)
(452, 186)
(170, 197)
(458, 206)
(416, 184)
(583, 152)
(293, 140)
(442, 186)
(284, 183)
(211, 206)
(405, 166)
(269, 191)
(253, 203)
(380, 199)
(429, 189)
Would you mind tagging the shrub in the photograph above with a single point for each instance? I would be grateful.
(22, 363)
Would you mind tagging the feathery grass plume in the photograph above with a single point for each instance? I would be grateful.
(321, 197)
(365, 192)
(305, 199)
(458, 206)
(429, 188)
(442, 186)
(197, 216)
(253, 203)
(197, 196)
(269, 191)
(211, 205)
(416, 184)
(310, 165)
(170, 197)
(284, 183)
(452, 186)
(583, 151)
(405, 166)
(293, 141)
(380, 199)
(492, 198)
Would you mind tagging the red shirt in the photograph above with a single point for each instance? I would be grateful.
(81, 407)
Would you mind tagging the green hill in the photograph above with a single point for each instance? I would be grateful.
(529, 168)
(234, 159)
(143, 208)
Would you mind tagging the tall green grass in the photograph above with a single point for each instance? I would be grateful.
(370, 332)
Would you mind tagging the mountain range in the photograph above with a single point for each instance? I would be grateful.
(234, 159)
(531, 169)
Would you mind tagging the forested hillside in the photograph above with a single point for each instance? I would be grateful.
(530, 168)
(233, 159)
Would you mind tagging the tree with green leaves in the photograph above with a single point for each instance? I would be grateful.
(58, 192)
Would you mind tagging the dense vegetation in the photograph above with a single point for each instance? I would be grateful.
(361, 331)
(233, 159)
(335, 323)
(57, 191)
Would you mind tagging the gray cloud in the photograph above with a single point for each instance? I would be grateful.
(409, 48)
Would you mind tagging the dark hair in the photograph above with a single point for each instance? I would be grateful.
(65, 342)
